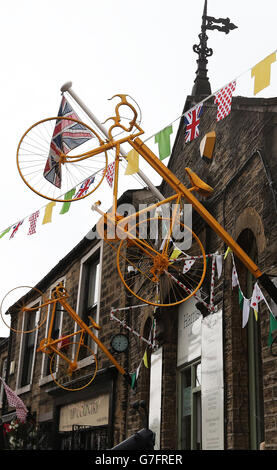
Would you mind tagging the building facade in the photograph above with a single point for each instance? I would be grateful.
(210, 383)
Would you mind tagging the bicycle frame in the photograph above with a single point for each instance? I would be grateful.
(49, 344)
(180, 189)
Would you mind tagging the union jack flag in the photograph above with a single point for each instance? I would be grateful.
(67, 135)
(192, 120)
(84, 187)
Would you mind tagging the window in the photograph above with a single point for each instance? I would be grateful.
(251, 353)
(190, 431)
(89, 290)
(28, 347)
(56, 329)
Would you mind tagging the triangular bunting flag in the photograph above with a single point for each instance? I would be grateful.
(133, 379)
(235, 281)
(245, 311)
(224, 100)
(218, 259)
(66, 205)
(192, 121)
(48, 213)
(227, 252)
(5, 231)
(257, 296)
(175, 253)
(163, 141)
(15, 228)
(241, 299)
(145, 359)
(33, 223)
(262, 72)
(187, 265)
(82, 191)
(272, 328)
(110, 173)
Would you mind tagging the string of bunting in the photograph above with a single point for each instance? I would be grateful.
(253, 301)
(261, 73)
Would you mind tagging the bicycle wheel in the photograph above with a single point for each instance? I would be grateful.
(161, 271)
(66, 373)
(14, 307)
(48, 163)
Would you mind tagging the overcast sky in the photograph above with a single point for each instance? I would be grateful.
(105, 47)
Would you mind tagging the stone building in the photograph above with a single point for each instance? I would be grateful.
(210, 383)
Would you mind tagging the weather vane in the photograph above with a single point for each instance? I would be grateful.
(201, 84)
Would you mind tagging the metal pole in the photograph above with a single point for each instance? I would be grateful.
(67, 87)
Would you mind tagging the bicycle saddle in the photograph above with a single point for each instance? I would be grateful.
(197, 184)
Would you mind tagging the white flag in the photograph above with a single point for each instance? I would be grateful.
(257, 296)
(235, 281)
(218, 259)
(245, 311)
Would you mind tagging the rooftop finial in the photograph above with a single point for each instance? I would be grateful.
(201, 84)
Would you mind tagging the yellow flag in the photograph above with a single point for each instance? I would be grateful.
(262, 72)
(145, 360)
(48, 213)
(133, 162)
(256, 314)
(227, 252)
(175, 253)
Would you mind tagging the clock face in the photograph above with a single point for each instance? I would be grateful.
(119, 342)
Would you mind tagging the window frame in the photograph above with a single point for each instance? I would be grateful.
(80, 297)
(43, 377)
(195, 389)
(26, 388)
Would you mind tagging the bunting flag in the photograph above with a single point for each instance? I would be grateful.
(145, 359)
(175, 253)
(5, 231)
(66, 205)
(48, 213)
(227, 252)
(84, 187)
(15, 228)
(262, 72)
(110, 173)
(187, 265)
(223, 98)
(133, 379)
(192, 121)
(245, 311)
(67, 135)
(272, 328)
(33, 222)
(218, 259)
(15, 402)
(163, 141)
(133, 162)
(257, 296)
(235, 281)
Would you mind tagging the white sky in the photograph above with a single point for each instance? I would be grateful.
(105, 47)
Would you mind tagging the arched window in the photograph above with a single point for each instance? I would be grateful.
(249, 373)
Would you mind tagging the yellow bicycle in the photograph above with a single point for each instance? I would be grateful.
(148, 269)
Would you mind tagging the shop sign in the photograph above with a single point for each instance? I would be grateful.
(212, 384)
(92, 412)
(189, 332)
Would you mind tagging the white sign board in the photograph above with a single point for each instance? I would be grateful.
(93, 412)
(212, 386)
(189, 332)
(155, 401)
